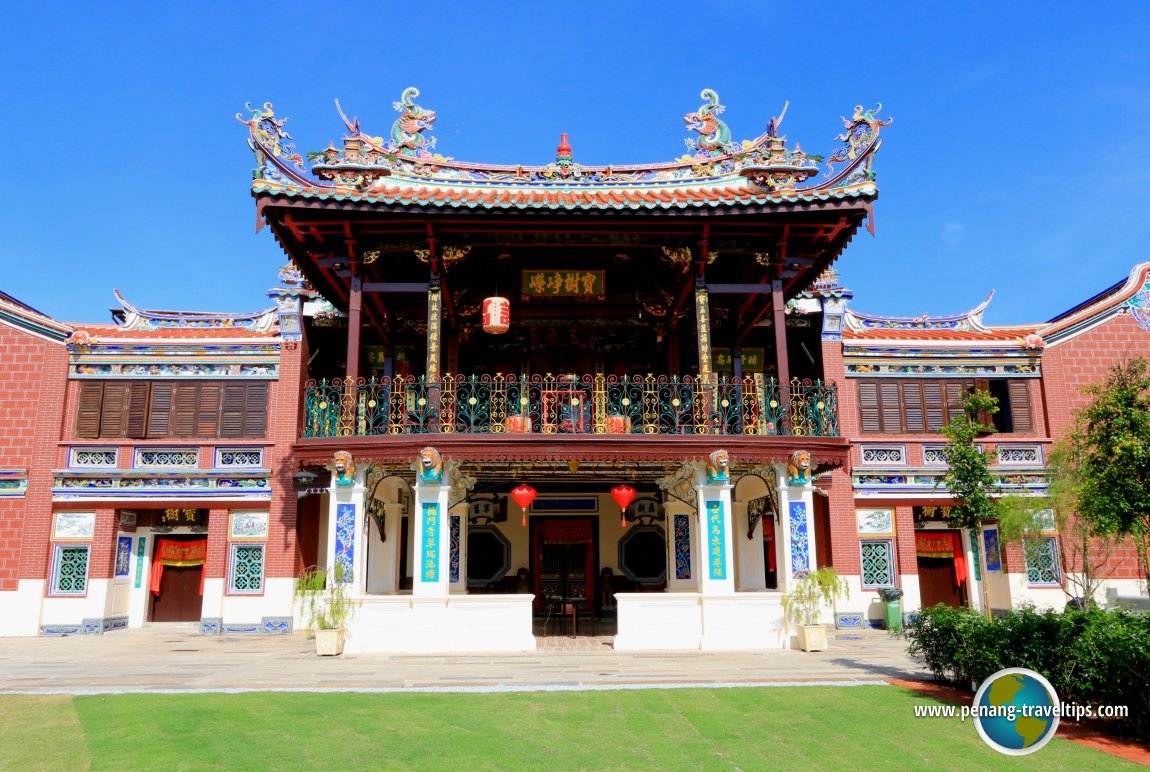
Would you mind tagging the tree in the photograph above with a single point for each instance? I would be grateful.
(1112, 448)
(968, 476)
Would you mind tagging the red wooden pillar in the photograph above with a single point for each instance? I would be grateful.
(781, 358)
(354, 321)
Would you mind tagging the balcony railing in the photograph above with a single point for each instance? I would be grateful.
(570, 404)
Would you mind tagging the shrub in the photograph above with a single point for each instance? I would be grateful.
(1090, 657)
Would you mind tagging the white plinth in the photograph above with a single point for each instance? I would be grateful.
(406, 624)
(690, 620)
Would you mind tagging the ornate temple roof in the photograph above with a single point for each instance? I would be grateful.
(401, 168)
(19, 314)
(1129, 297)
(964, 329)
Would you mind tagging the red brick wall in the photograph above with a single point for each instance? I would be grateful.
(1069, 367)
(31, 396)
(284, 420)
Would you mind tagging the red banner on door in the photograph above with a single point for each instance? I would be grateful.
(170, 552)
(942, 544)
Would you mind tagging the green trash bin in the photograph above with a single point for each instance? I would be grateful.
(891, 607)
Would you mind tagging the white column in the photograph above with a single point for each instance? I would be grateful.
(749, 558)
(345, 531)
(796, 530)
(431, 570)
(716, 574)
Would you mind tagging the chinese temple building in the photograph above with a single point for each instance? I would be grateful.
(633, 398)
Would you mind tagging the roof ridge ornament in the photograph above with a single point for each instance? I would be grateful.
(861, 134)
(407, 132)
(716, 135)
(269, 142)
(966, 321)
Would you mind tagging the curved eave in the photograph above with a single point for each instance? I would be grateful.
(827, 452)
(571, 199)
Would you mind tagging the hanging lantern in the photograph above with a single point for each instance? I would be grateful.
(496, 315)
(524, 495)
(623, 495)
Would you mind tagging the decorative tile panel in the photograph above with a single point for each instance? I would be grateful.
(93, 458)
(877, 563)
(231, 627)
(151, 458)
(455, 548)
(716, 541)
(429, 551)
(1042, 560)
(61, 630)
(211, 626)
(345, 539)
(883, 454)
(682, 546)
(800, 544)
(246, 570)
(1019, 455)
(70, 570)
(276, 626)
(239, 457)
(850, 620)
(934, 455)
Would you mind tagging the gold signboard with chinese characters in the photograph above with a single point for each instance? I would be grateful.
(754, 360)
(575, 284)
(183, 516)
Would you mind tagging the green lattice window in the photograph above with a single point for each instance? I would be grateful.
(877, 563)
(1041, 560)
(246, 572)
(70, 569)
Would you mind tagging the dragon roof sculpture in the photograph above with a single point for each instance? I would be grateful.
(404, 166)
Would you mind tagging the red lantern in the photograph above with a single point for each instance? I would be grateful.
(623, 495)
(524, 495)
(496, 315)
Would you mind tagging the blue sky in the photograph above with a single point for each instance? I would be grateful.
(1016, 161)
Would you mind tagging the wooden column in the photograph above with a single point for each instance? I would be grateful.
(354, 321)
(703, 324)
(780, 320)
(434, 328)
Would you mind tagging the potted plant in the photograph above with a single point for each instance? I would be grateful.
(325, 604)
(801, 605)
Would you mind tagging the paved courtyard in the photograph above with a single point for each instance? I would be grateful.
(172, 657)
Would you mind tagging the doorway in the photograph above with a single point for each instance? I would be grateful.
(941, 568)
(564, 559)
(178, 579)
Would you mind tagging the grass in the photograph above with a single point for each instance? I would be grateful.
(816, 727)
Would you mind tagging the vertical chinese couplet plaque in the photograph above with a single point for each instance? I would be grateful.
(140, 545)
(430, 551)
(682, 547)
(800, 542)
(716, 540)
(345, 539)
(703, 328)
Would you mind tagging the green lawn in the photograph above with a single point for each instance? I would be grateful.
(816, 727)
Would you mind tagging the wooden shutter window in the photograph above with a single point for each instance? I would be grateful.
(160, 410)
(934, 405)
(185, 405)
(88, 408)
(137, 424)
(913, 407)
(955, 391)
(208, 410)
(232, 410)
(256, 410)
(114, 410)
(1020, 414)
(890, 405)
(869, 408)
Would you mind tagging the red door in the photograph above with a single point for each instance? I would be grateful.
(179, 599)
(936, 582)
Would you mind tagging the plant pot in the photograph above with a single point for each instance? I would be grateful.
(329, 643)
(812, 637)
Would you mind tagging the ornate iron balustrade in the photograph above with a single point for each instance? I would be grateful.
(570, 404)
